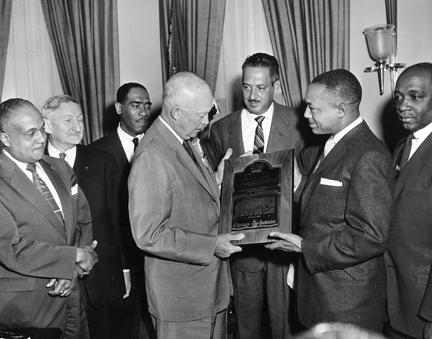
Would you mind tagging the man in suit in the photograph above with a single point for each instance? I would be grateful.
(345, 211)
(410, 240)
(133, 105)
(46, 230)
(259, 288)
(174, 212)
(104, 289)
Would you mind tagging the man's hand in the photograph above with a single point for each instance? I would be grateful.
(224, 248)
(86, 257)
(61, 287)
(221, 166)
(287, 242)
(427, 331)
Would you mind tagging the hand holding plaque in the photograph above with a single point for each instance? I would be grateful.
(256, 196)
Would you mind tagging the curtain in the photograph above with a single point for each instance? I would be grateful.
(84, 34)
(245, 33)
(31, 71)
(5, 18)
(194, 37)
(309, 37)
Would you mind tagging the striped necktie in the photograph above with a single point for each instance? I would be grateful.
(258, 147)
(43, 188)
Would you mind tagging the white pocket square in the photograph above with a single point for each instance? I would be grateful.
(330, 182)
(74, 189)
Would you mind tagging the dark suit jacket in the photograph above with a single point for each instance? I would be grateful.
(132, 256)
(174, 211)
(33, 244)
(410, 244)
(344, 222)
(227, 133)
(97, 178)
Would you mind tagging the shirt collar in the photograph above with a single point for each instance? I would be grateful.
(21, 165)
(423, 133)
(171, 129)
(123, 135)
(339, 135)
(70, 153)
(267, 114)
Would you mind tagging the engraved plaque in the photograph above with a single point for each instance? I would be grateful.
(256, 196)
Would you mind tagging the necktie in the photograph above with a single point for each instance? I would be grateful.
(43, 188)
(258, 147)
(135, 142)
(188, 149)
(62, 155)
(406, 152)
(330, 143)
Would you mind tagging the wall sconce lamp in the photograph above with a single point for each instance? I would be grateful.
(381, 43)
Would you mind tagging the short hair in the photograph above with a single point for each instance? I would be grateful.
(179, 82)
(8, 107)
(124, 89)
(55, 102)
(263, 60)
(342, 82)
(424, 67)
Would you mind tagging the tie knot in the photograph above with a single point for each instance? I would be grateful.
(62, 155)
(135, 142)
(259, 119)
(31, 167)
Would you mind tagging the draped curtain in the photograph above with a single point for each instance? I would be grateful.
(5, 18)
(191, 35)
(308, 37)
(84, 35)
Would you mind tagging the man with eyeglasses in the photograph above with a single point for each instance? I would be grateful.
(133, 105)
(262, 126)
(346, 196)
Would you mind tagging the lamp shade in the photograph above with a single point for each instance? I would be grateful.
(379, 40)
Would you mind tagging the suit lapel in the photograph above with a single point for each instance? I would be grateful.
(414, 163)
(277, 129)
(25, 187)
(116, 148)
(235, 136)
(64, 196)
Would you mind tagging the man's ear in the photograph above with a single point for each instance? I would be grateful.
(117, 106)
(277, 86)
(175, 113)
(4, 138)
(47, 126)
(341, 110)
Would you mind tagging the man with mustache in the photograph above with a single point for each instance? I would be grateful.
(410, 241)
(133, 105)
(259, 276)
(103, 290)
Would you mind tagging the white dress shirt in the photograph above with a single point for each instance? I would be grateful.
(70, 154)
(249, 125)
(127, 142)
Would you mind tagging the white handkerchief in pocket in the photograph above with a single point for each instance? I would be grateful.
(330, 182)
(74, 189)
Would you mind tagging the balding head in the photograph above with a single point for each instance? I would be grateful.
(22, 130)
(187, 100)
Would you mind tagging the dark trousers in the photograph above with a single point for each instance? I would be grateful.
(261, 302)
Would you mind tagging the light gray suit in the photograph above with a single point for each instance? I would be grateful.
(174, 214)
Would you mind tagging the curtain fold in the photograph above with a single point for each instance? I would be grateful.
(84, 35)
(5, 19)
(308, 37)
(191, 35)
